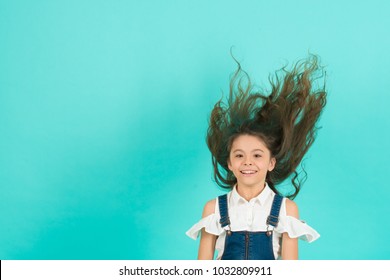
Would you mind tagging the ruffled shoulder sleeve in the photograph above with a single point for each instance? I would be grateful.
(296, 229)
(209, 223)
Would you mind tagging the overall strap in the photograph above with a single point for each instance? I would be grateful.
(223, 210)
(273, 218)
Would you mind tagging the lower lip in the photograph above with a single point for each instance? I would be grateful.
(248, 174)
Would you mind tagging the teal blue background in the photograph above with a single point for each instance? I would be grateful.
(104, 108)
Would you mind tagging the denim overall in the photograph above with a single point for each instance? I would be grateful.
(249, 245)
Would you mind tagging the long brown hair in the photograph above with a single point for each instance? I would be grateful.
(285, 119)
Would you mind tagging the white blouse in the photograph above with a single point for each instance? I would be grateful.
(251, 216)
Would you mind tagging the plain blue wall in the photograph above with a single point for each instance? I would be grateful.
(103, 114)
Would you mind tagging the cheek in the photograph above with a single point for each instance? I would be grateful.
(233, 164)
(264, 164)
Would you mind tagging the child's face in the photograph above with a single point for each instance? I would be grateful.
(250, 160)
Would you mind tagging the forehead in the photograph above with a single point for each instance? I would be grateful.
(248, 143)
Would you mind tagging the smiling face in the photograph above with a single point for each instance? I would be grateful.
(250, 160)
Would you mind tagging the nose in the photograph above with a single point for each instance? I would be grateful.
(247, 162)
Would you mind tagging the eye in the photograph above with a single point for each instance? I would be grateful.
(257, 156)
(238, 156)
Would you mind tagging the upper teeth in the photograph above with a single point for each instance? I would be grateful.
(248, 171)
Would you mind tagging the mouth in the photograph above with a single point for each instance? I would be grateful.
(248, 172)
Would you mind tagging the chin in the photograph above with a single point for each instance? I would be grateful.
(251, 181)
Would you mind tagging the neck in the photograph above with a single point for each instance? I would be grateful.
(249, 192)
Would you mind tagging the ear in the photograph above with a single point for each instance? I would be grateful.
(272, 164)
(229, 165)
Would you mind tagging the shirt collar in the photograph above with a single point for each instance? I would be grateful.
(261, 198)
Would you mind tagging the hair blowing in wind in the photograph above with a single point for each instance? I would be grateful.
(285, 119)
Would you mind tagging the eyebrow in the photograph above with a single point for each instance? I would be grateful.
(239, 150)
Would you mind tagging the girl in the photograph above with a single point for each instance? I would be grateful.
(257, 141)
